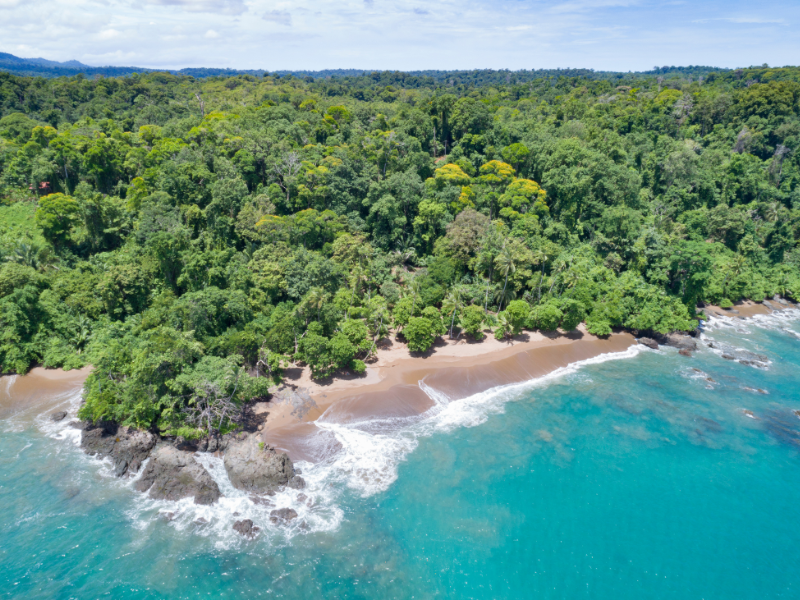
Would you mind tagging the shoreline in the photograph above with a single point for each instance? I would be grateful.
(391, 390)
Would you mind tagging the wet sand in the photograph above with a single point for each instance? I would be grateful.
(390, 390)
(39, 391)
(746, 308)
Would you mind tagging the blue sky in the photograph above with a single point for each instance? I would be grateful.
(397, 34)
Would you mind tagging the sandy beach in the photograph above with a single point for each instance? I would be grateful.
(39, 390)
(390, 388)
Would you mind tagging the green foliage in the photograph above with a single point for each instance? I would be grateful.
(420, 333)
(546, 317)
(573, 313)
(472, 321)
(177, 248)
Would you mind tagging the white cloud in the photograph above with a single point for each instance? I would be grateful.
(401, 34)
(283, 17)
(744, 20)
(108, 34)
(224, 7)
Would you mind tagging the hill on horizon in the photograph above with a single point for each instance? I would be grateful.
(41, 67)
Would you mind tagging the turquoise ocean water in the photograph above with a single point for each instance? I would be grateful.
(641, 477)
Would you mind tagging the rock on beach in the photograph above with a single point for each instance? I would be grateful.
(173, 474)
(127, 447)
(254, 468)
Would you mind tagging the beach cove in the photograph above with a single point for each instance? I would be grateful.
(608, 475)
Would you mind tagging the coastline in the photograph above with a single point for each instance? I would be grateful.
(391, 389)
(40, 389)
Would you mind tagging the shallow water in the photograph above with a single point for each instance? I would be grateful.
(640, 477)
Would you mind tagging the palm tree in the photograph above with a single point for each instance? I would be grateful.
(569, 279)
(560, 266)
(315, 299)
(452, 303)
(505, 295)
(540, 258)
(415, 287)
(405, 252)
(26, 254)
(507, 265)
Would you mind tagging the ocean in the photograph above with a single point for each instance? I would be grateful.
(641, 474)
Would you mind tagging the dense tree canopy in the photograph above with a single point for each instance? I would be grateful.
(191, 238)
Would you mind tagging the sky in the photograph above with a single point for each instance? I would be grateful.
(618, 35)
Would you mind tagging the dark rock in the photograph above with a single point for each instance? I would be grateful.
(685, 352)
(261, 501)
(648, 342)
(127, 447)
(213, 444)
(728, 357)
(282, 515)
(172, 474)
(756, 390)
(120, 467)
(296, 483)
(298, 472)
(255, 468)
(58, 416)
(783, 426)
(302, 497)
(246, 528)
(181, 443)
(201, 521)
(682, 341)
(167, 516)
(749, 413)
(202, 445)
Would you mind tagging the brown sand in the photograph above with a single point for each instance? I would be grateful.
(745, 309)
(39, 391)
(390, 388)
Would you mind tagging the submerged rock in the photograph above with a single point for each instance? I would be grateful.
(58, 416)
(255, 468)
(261, 501)
(126, 446)
(282, 516)
(685, 352)
(172, 474)
(246, 528)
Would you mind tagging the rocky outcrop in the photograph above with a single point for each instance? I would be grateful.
(173, 474)
(282, 516)
(246, 528)
(127, 447)
(648, 342)
(58, 416)
(681, 341)
(255, 468)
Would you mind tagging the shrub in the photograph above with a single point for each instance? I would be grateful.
(420, 334)
(546, 317)
(472, 320)
(573, 312)
(517, 313)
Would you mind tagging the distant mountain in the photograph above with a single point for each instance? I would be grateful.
(41, 67)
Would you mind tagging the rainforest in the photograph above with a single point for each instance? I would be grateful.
(191, 238)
